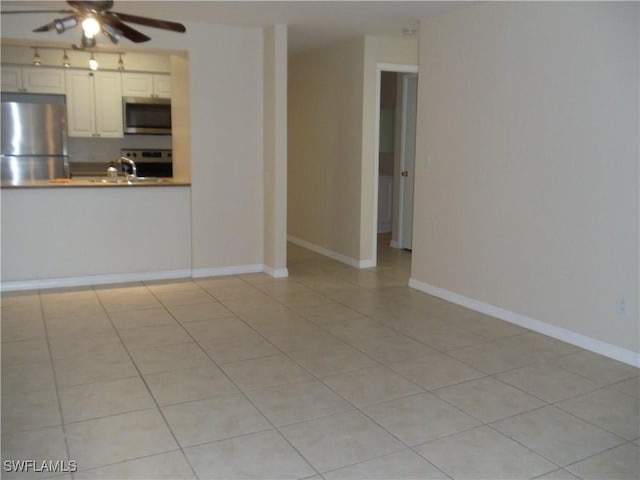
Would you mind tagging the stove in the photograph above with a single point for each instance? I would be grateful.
(150, 163)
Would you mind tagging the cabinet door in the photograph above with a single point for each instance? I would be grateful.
(108, 104)
(43, 80)
(11, 79)
(80, 107)
(137, 85)
(162, 86)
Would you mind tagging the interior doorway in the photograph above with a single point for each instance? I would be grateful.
(395, 155)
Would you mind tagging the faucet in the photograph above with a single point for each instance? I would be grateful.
(134, 171)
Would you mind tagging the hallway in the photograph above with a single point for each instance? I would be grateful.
(333, 373)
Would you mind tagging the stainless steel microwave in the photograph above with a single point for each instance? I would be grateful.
(146, 116)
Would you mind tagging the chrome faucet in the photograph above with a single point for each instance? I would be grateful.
(134, 171)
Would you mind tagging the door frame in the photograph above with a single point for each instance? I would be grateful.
(381, 67)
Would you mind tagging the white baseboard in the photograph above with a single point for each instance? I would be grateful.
(588, 343)
(88, 280)
(353, 262)
(83, 281)
(367, 263)
(231, 270)
(276, 272)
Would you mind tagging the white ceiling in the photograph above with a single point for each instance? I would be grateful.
(311, 23)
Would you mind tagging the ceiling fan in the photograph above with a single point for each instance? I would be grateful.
(96, 16)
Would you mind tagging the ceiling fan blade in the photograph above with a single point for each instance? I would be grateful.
(35, 11)
(45, 28)
(130, 33)
(150, 22)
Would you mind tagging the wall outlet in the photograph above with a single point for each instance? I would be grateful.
(622, 305)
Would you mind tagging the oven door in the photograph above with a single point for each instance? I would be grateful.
(154, 169)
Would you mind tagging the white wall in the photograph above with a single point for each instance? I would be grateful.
(225, 83)
(528, 115)
(325, 148)
(181, 118)
(275, 150)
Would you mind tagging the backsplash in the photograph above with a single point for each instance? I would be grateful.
(102, 150)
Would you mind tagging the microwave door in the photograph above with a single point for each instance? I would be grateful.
(147, 116)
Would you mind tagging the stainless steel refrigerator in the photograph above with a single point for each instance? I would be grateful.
(34, 138)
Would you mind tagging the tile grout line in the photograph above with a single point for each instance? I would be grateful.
(157, 406)
(55, 380)
(354, 407)
(219, 366)
(315, 377)
(385, 366)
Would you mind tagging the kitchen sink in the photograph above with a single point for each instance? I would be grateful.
(133, 182)
(153, 180)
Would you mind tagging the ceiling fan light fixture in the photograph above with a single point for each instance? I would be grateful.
(36, 58)
(93, 63)
(112, 33)
(88, 42)
(62, 24)
(95, 17)
(90, 26)
(65, 60)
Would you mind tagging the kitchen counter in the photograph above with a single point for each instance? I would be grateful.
(95, 182)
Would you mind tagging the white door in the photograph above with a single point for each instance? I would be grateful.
(407, 158)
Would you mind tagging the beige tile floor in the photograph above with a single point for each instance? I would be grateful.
(332, 373)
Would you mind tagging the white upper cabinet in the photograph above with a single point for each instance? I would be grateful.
(11, 79)
(146, 85)
(94, 104)
(162, 86)
(33, 79)
(108, 88)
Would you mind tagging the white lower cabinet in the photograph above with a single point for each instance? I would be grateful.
(94, 104)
